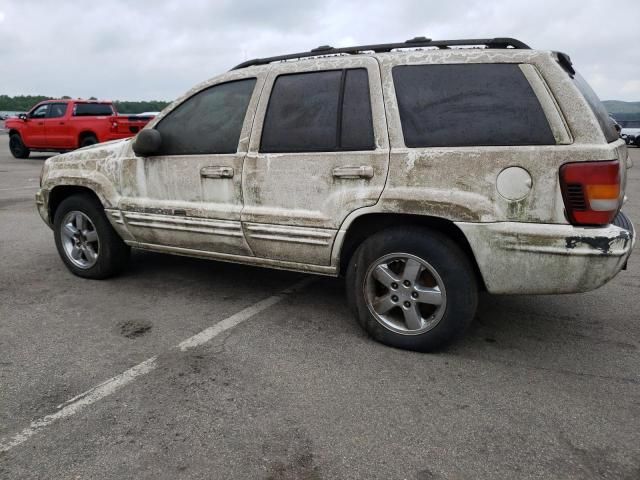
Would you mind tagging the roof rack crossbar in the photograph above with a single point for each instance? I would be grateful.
(386, 47)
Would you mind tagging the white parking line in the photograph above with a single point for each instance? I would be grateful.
(77, 403)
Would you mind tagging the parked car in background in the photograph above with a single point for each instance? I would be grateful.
(631, 132)
(63, 125)
(422, 176)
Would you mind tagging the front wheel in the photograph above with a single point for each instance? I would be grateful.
(412, 288)
(86, 241)
(17, 146)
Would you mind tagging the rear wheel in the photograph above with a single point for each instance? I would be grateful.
(88, 140)
(86, 241)
(412, 288)
(17, 147)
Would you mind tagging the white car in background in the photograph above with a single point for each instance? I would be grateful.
(631, 132)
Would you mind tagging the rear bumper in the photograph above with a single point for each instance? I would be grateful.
(532, 258)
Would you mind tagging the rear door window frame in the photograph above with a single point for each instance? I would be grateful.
(345, 74)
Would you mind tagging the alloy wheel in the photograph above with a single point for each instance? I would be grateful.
(405, 293)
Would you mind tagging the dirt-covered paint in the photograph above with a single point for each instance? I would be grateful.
(292, 211)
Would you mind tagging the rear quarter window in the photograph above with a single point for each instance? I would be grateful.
(469, 105)
(92, 110)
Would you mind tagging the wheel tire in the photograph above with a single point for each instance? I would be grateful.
(88, 140)
(17, 147)
(433, 251)
(111, 252)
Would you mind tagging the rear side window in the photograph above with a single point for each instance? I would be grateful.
(469, 105)
(319, 112)
(599, 110)
(357, 123)
(92, 110)
(209, 122)
(57, 110)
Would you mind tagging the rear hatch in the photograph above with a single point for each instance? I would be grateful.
(580, 196)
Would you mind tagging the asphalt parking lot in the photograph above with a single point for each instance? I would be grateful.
(541, 387)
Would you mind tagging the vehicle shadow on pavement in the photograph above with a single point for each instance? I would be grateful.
(532, 332)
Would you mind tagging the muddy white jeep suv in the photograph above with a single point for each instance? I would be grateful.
(422, 171)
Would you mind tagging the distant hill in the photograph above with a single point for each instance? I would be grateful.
(617, 106)
(623, 112)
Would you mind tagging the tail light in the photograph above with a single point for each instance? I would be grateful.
(591, 191)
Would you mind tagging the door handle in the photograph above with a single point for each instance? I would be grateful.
(61, 123)
(216, 172)
(363, 171)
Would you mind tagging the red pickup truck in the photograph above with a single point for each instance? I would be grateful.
(62, 125)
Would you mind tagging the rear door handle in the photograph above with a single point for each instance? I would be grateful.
(363, 171)
(216, 172)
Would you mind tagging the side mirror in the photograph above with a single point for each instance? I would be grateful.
(23, 117)
(147, 142)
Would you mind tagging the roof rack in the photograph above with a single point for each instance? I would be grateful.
(386, 47)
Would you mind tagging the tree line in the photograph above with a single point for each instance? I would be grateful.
(23, 103)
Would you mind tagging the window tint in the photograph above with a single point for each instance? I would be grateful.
(57, 110)
(319, 112)
(357, 124)
(303, 113)
(208, 122)
(471, 104)
(599, 110)
(39, 112)
(92, 110)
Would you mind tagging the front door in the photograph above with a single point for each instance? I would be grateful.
(319, 150)
(33, 134)
(56, 128)
(189, 196)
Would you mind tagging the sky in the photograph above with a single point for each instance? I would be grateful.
(156, 50)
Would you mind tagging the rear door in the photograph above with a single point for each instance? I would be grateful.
(318, 151)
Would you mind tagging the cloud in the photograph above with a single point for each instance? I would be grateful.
(157, 50)
(632, 87)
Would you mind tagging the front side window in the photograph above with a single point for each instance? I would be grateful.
(40, 112)
(209, 122)
(469, 105)
(319, 112)
(57, 110)
(92, 110)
